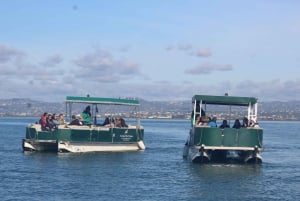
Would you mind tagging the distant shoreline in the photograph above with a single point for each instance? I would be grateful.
(163, 119)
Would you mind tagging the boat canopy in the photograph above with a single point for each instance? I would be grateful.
(225, 100)
(105, 101)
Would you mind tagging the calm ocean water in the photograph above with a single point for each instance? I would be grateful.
(158, 173)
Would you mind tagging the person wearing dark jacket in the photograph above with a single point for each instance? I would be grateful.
(237, 124)
(224, 124)
(75, 121)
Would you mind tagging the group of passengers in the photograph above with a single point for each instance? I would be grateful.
(50, 122)
(245, 123)
(85, 118)
(212, 122)
(118, 122)
(206, 121)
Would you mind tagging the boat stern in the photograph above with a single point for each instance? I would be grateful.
(222, 145)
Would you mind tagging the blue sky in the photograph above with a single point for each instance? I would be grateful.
(155, 50)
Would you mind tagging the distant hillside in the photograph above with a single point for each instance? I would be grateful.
(165, 106)
(26, 107)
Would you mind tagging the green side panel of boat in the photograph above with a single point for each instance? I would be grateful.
(117, 135)
(251, 137)
(228, 137)
(80, 135)
(125, 135)
(31, 133)
(64, 134)
(208, 136)
(102, 136)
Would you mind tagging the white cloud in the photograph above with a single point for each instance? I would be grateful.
(185, 47)
(8, 54)
(208, 68)
(100, 66)
(52, 60)
(202, 53)
(100, 74)
(191, 50)
(14, 64)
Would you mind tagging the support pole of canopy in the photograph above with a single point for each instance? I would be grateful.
(200, 108)
(229, 114)
(194, 113)
(249, 108)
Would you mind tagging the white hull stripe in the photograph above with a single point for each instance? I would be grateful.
(69, 147)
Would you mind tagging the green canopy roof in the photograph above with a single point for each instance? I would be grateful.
(225, 100)
(97, 100)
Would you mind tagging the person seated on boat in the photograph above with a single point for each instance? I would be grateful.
(253, 123)
(87, 116)
(75, 120)
(61, 119)
(123, 124)
(224, 124)
(52, 122)
(213, 122)
(108, 122)
(197, 114)
(256, 125)
(49, 124)
(237, 124)
(120, 122)
(204, 121)
(245, 122)
(197, 119)
(43, 122)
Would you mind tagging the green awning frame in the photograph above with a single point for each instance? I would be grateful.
(105, 101)
(225, 100)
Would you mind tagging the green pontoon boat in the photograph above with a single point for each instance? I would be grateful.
(93, 136)
(208, 142)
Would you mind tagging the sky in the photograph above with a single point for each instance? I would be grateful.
(154, 50)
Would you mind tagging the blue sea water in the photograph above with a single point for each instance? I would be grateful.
(158, 173)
